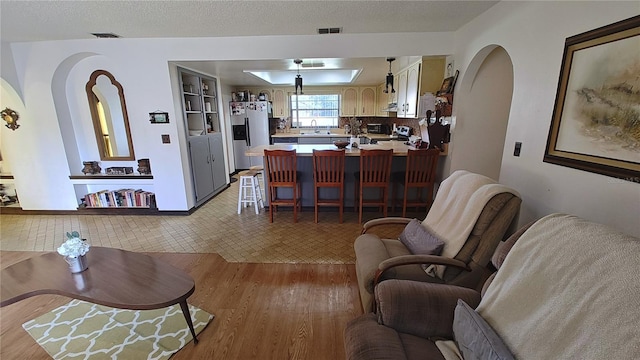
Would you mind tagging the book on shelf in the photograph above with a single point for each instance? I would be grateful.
(125, 198)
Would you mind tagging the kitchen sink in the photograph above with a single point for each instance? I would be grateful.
(321, 133)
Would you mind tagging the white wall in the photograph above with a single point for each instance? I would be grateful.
(533, 34)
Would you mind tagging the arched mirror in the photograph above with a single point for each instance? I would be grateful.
(109, 114)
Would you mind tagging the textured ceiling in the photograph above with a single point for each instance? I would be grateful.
(63, 20)
(59, 20)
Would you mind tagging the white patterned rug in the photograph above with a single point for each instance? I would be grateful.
(81, 330)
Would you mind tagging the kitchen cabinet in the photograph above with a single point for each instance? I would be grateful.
(207, 165)
(407, 90)
(358, 101)
(315, 140)
(280, 103)
(368, 101)
(204, 135)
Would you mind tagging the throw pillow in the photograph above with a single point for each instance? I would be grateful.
(475, 337)
(419, 240)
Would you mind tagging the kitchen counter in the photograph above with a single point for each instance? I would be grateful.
(309, 134)
(325, 134)
(399, 148)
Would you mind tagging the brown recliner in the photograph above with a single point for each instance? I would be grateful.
(382, 259)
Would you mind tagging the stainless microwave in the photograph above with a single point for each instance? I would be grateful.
(378, 129)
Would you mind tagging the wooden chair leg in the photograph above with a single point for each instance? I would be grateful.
(315, 198)
(360, 205)
(404, 201)
(385, 197)
(341, 206)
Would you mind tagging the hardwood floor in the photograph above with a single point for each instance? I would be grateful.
(265, 311)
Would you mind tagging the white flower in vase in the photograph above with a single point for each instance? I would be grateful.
(74, 246)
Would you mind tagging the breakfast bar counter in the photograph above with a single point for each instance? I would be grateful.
(399, 148)
(352, 165)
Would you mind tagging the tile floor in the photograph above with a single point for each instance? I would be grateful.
(213, 228)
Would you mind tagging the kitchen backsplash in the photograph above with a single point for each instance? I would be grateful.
(379, 120)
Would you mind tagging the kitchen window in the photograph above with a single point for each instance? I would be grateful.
(323, 108)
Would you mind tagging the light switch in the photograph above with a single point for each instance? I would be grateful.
(516, 150)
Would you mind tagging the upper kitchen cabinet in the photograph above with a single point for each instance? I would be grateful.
(280, 103)
(408, 87)
(358, 101)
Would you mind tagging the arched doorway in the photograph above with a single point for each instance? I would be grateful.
(483, 103)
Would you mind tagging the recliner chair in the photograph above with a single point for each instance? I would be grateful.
(471, 214)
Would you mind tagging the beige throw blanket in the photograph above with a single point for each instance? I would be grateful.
(568, 289)
(456, 208)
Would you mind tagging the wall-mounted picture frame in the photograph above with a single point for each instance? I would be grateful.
(448, 84)
(159, 117)
(595, 124)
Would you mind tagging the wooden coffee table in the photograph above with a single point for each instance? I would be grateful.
(115, 278)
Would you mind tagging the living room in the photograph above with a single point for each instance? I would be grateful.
(531, 33)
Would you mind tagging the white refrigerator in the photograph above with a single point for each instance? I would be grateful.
(250, 124)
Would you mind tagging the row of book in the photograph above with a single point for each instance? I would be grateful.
(121, 198)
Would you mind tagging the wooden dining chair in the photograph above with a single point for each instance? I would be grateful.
(328, 172)
(375, 172)
(282, 173)
(420, 174)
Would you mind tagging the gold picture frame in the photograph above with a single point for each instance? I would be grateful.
(596, 121)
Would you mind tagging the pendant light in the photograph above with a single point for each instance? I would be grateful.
(298, 77)
(389, 82)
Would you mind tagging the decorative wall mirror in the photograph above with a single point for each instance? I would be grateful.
(109, 114)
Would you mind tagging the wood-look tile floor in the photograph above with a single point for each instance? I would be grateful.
(215, 227)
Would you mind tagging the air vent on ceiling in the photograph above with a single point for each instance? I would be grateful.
(312, 64)
(105, 35)
(334, 30)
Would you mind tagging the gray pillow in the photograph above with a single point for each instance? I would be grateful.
(475, 337)
(419, 240)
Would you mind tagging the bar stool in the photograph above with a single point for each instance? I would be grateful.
(249, 191)
(328, 172)
(282, 173)
(420, 173)
(375, 172)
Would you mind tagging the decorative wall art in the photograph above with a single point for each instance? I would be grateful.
(596, 117)
(159, 117)
(11, 118)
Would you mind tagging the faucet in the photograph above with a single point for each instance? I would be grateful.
(314, 125)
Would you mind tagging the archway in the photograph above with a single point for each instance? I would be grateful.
(483, 103)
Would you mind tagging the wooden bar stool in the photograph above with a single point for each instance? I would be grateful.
(282, 173)
(420, 174)
(249, 191)
(328, 172)
(375, 172)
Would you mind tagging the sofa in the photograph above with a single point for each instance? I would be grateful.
(565, 288)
